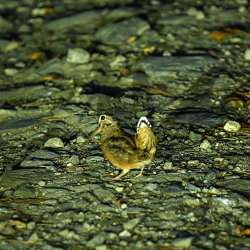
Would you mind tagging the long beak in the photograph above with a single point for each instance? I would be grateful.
(95, 132)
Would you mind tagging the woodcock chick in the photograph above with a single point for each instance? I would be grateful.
(124, 151)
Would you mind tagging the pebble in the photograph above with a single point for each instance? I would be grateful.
(129, 225)
(74, 160)
(151, 187)
(232, 126)
(206, 145)
(101, 247)
(183, 243)
(10, 72)
(124, 206)
(125, 234)
(194, 136)
(31, 225)
(247, 55)
(96, 240)
(41, 183)
(78, 55)
(193, 163)
(119, 189)
(43, 154)
(168, 165)
(54, 143)
(34, 238)
(80, 140)
(199, 15)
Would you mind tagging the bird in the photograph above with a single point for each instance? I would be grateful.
(125, 151)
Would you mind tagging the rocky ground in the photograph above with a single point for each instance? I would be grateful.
(185, 65)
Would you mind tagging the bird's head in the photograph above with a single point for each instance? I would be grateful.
(106, 125)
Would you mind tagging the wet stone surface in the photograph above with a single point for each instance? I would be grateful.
(185, 65)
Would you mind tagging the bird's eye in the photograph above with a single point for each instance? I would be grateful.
(102, 118)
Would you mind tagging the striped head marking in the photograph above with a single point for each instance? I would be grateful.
(143, 122)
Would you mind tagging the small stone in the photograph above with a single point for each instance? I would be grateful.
(80, 140)
(206, 145)
(125, 234)
(232, 126)
(74, 160)
(124, 206)
(94, 158)
(41, 183)
(31, 225)
(96, 240)
(11, 46)
(54, 143)
(247, 55)
(43, 154)
(193, 163)
(67, 234)
(183, 243)
(168, 165)
(119, 189)
(118, 62)
(199, 15)
(101, 247)
(194, 136)
(131, 224)
(10, 72)
(151, 187)
(78, 55)
(33, 238)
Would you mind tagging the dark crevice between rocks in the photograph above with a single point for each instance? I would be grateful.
(93, 88)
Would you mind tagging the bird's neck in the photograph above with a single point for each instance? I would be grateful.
(110, 132)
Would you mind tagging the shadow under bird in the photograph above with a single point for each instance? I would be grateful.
(125, 151)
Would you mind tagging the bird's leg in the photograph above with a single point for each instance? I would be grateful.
(140, 174)
(124, 171)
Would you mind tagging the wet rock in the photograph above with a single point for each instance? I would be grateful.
(44, 154)
(104, 195)
(85, 21)
(54, 143)
(78, 55)
(25, 191)
(96, 158)
(19, 123)
(36, 164)
(119, 33)
(198, 117)
(232, 126)
(168, 70)
(26, 94)
(239, 185)
(173, 67)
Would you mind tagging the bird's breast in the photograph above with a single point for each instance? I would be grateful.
(122, 153)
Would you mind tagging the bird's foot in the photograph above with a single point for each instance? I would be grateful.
(118, 177)
(140, 174)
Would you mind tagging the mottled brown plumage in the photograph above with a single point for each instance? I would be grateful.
(125, 151)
